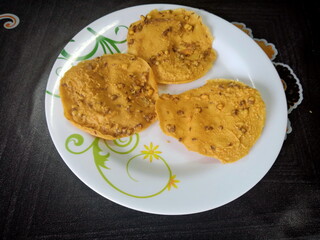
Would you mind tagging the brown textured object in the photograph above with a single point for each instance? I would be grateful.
(42, 199)
(112, 96)
(176, 44)
(222, 119)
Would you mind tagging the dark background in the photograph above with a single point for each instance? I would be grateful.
(40, 198)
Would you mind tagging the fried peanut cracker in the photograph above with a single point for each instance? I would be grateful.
(222, 119)
(176, 44)
(112, 96)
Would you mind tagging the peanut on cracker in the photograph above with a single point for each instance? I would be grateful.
(222, 119)
(111, 96)
(176, 44)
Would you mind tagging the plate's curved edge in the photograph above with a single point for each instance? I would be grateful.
(47, 98)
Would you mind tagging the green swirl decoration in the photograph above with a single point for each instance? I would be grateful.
(121, 143)
(58, 70)
(117, 147)
(104, 42)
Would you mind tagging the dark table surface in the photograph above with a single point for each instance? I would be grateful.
(40, 198)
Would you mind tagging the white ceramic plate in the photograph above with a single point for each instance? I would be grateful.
(150, 171)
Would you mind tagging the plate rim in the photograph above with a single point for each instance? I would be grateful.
(167, 6)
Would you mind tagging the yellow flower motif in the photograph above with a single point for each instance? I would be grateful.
(172, 182)
(151, 152)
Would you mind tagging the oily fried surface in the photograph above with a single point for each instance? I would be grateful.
(112, 96)
(222, 119)
(176, 44)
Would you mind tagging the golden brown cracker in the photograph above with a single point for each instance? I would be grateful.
(111, 96)
(176, 44)
(222, 119)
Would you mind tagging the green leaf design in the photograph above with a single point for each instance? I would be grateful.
(67, 56)
(107, 45)
(101, 159)
(104, 42)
